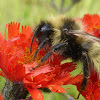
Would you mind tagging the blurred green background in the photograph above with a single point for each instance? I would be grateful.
(30, 12)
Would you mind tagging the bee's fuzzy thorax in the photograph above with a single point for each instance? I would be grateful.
(62, 21)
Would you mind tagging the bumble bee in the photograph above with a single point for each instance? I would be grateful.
(66, 36)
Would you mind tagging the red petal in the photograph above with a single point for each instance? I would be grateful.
(69, 66)
(96, 92)
(74, 80)
(1, 74)
(55, 59)
(56, 88)
(1, 38)
(39, 76)
(26, 31)
(1, 61)
(36, 94)
(28, 67)
(13, 30)
(1, 97)
(60, 81)
(19, 72)
(5, 30)
(37, 71)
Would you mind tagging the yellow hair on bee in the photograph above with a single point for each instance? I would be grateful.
(57, 21)
(94, 54)
(57, 37)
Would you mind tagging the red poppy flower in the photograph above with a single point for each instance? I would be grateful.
(15, 53)
(13, 50)
(49, 75)
(91, 24)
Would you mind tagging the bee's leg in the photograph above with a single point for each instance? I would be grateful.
(40, 47)
(55, 48)
(86, 62)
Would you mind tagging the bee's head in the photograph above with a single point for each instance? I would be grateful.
(42, 32)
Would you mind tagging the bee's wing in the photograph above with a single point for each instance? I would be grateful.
(84, 35)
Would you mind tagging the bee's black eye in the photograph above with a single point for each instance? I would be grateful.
(46, 28)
